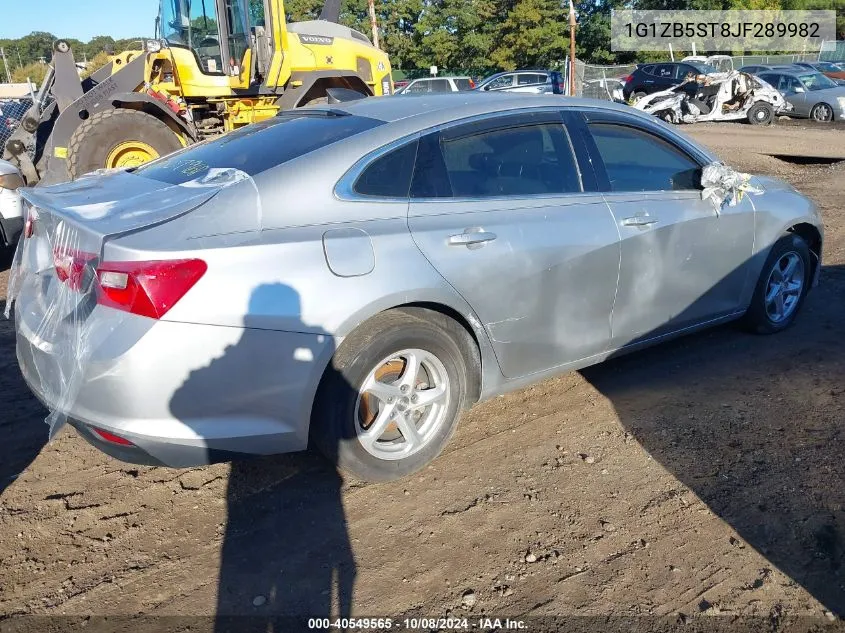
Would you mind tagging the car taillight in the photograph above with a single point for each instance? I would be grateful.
(471, 84)
(111, 437)
(70, 266)
(29, 222)
(149, 288)
(627, 79)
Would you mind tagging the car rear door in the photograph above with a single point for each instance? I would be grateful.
(501, 209)
(664, 75)
(681, 263)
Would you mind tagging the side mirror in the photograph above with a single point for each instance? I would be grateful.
(798, 90)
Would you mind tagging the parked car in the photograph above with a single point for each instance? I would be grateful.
(733, 96)
(437, 84)
(811, 94)
(756, 69)
(649, 78)
(11, 217)
(442, 250)
(524, 81)
(828, 69)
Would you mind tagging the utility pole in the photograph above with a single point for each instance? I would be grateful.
(572, 24)
(373, 22)
(6, 64)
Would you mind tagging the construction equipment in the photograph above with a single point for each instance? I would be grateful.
(214, 66)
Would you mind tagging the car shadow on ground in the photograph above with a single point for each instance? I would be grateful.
(286, 550)
(21, 437)
(774, 473)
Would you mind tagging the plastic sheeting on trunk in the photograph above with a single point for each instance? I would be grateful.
(57, 282)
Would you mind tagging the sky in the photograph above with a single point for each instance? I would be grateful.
(83, 19)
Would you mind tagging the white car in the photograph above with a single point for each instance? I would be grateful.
(729, 96)
(11, 214)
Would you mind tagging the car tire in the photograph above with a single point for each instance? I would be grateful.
(761, 113)
(97, 139)
(639, 94)
(767, 315)
(344, 409)
(822, 113)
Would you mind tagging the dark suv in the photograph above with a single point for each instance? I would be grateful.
(649, 78)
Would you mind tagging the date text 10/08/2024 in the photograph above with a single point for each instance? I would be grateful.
(417, 624)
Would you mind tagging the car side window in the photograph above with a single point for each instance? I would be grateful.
(772, 80)
(648, 70)
(683, 70)
(417, 87)
(514, 161)
(440, 85)
(792, 83)
(389, 176)
(636, 160)
(505, 81)
(664, 71)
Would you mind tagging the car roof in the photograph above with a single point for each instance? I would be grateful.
(794, 71)
(434, 78)
(443, 108)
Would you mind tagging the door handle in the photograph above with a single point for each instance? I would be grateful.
(471, 237)
(639, 220)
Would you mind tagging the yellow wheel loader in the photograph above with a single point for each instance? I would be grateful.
(215, 65)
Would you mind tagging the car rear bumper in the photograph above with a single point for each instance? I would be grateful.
(182, 394)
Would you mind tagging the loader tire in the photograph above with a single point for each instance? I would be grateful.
(118, 138)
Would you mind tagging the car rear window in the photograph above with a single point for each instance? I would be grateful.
(260, 146)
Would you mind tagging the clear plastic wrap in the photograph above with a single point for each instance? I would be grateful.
(56, 283)
(722, 184)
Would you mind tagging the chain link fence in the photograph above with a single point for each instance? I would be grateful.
(599, 82)
(11, 113)
(833, 51)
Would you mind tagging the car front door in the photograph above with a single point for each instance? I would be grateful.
(499, 207)
(682, 262)
(502, 82)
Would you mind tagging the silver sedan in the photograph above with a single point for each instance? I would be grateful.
(812, 94)
(353, 276)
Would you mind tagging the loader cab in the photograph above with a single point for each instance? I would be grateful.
(217, 32)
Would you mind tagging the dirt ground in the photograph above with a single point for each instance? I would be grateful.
(705, 476)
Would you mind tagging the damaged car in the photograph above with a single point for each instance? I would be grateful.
(441, 250)
(733, 96)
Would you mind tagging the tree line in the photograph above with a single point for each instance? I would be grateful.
(470, 35)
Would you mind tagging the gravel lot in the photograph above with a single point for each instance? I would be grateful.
(705, 476)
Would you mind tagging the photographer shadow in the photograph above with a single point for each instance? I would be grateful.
(286, 552)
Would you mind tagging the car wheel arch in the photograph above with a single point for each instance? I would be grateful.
(813, 237)
(483, 358)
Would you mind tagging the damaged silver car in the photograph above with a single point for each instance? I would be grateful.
(354, 276)
(732, 96)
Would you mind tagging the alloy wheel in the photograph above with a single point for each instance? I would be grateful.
(402, 404)
(784, 287)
